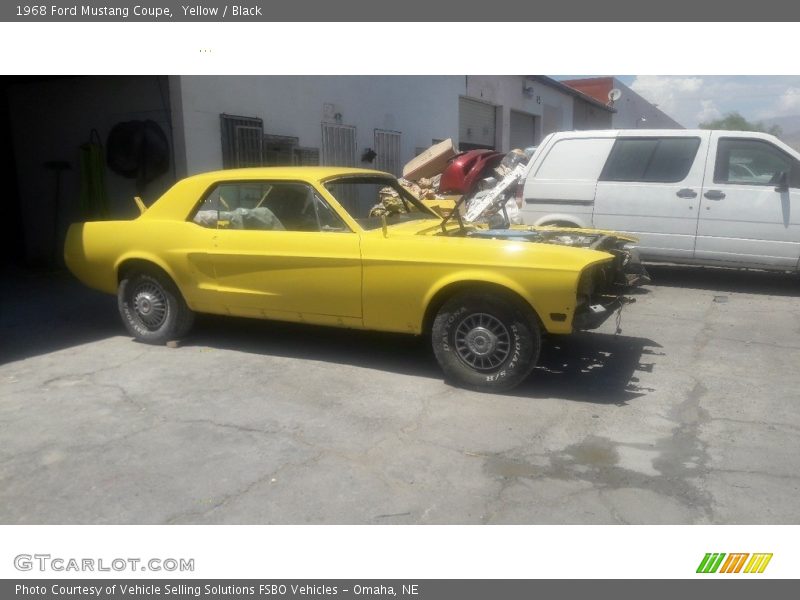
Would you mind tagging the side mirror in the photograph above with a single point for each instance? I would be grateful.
(783, 182)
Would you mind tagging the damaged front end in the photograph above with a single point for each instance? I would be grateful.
(602, 287)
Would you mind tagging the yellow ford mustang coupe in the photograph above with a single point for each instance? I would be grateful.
(315, 245)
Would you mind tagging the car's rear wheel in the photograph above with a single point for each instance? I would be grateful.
(152, 307)
(486, 343)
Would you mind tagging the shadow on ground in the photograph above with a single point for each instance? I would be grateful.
(586, 367)
(592, 367)
(42, 312)
(719, 279)
(45, 312)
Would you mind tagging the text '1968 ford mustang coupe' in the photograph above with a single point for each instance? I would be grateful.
(352, 248)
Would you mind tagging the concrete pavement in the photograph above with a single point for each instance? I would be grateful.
(690, 415)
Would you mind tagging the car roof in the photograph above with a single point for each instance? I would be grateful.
(302, 173)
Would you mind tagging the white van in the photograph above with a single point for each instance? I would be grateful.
(728, 198)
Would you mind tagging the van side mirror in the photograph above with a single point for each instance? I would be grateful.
(783, 182)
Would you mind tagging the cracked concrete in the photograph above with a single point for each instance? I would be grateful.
(689, 416)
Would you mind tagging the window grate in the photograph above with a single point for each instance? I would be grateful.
(338, 145)
(387, 147)
(242, 141)
(279, 150)
(306, 157)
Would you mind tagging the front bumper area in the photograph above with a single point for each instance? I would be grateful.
(592, 315)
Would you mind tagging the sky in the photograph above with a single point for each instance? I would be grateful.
(691, 99)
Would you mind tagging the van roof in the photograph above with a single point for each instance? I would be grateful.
(593, 133)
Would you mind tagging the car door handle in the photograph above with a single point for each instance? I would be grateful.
(686, 193)
(714, 195)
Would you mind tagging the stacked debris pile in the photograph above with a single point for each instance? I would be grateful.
(441, 173)
(422, 189)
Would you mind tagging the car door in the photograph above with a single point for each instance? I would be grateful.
(281, 252)
(650, 186)
(750, 209)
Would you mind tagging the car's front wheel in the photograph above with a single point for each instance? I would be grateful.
(152, 307)
(485, 342)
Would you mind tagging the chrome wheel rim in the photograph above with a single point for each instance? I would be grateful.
(150, 305)
(482, 341)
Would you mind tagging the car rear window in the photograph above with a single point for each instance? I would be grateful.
(655, 160)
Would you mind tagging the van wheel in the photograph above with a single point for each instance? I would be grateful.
(152, 308)
(559, 224)
(485, 343)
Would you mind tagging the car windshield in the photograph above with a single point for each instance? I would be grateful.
(369, 198)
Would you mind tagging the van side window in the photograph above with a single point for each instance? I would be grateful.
(579, 159)
(650, 160)
(753, 162)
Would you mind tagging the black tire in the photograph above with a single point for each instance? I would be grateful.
(559, 224)
(484, 342)
(152, 308)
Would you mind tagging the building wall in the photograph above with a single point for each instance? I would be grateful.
(50, 119)
(588, 116)
(630, 108)
(422, 108)
(553, 109)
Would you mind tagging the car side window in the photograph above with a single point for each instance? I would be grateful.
(266, 206)
(650, 160)
(753, 162)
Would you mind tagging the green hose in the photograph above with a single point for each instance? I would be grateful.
(93, 197)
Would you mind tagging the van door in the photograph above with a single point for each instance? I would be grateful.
(748, 217)
(650, 186)
(560, 185)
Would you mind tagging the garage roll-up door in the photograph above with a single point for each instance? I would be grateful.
(476, 124)
(523, 130)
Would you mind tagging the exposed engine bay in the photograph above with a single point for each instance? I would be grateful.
(602, 288)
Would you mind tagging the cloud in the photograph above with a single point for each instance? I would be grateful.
(690, 100)
(789, 102)
(708, 111)
(668, 92)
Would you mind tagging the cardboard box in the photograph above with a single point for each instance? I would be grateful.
(431, 162)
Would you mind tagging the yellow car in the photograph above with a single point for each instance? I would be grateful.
(350, 248)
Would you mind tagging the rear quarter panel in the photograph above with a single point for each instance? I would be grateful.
(95, 251)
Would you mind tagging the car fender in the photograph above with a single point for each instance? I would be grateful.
(151, 258)
(475, 277)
